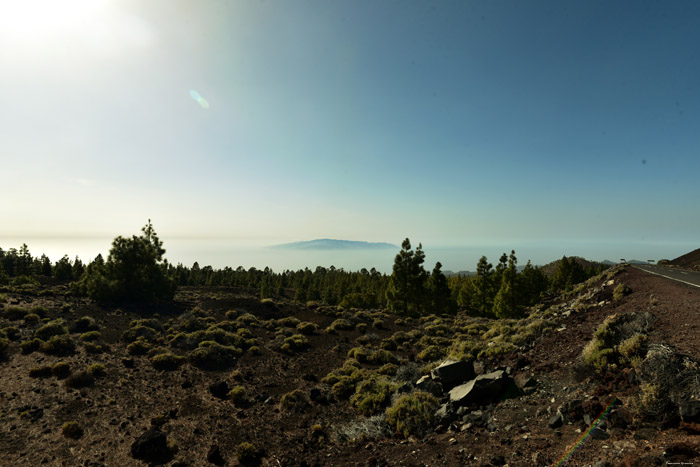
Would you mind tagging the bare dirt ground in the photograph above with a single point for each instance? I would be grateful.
(132, 396)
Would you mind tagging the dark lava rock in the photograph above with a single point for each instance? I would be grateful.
(481, 389)
(451, 373)
(679, 452)
(556, 421)
(689, 411)
(152, 446)
(214, 456)
(219, 389)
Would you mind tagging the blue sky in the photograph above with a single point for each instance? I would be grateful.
(454, 123)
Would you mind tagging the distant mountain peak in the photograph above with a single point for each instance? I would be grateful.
(333, 244)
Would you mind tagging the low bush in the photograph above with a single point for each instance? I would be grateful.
(40, 372)
(295, 343)
(52, 328)
(144, 332)
(412, 414)
(33, 345)
(296, 401)
(239, 396)
(138, 347)
(11, 332)
(79, 380)
(90, 336)
(431, 353)
(211, 355)
(339, 324)
(31, 318)
(95, 348)
(84, 324)
(307, 328)
(620, 292)
(247, 454)
(167, 361)
(97, 370)
(61, 345)
(373, 395)
(72, 430)
(15, 313)
(61, 370)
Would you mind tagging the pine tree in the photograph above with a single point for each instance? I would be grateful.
(506, 303)
(406, 290)
(440, 294)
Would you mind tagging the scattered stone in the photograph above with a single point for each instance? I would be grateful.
(445, 414)
(679, 452)
(556, 421)
(451, 373)
(220, 389)
(498, 460)
(214, 456)
(646, 434)
(524, 380)
(152, 446)
(483, 388)
(599, 434)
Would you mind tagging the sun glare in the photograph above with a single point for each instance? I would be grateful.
(38, 21)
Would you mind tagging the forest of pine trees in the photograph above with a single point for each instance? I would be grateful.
(136, 270)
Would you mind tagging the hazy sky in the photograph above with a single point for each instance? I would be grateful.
(449, 122)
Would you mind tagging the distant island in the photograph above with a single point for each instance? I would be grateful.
(331, 244)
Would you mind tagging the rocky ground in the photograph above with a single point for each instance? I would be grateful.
(534, 400)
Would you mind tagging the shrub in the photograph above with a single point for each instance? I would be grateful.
(248, 454)
(167, 361)
(412, 414)
(95, 348)
(382, 356)
(33, 345)
(289, 322)
(307, 328)
(431, 353)
(79, 380)
(621, 291)
(97, 370)
(31, 318)
(339, 324)
(15, 313)
(72, 430)
(211, 355)
(40, 372)
(361, 328)
(372, 396)
(295, 343)
(389, 369)
(61, 370)
(144, 332)
(11, 333)
(295, 402)
(138, 347)
(231, 314)
(90, 336)
(85, 324)
(59, 345)
(52, 328)
(239, 396)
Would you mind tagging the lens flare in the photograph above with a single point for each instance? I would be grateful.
(199, 99)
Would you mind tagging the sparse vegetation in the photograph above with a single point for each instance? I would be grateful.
(412, 414)
(296, 401)
(72, 430)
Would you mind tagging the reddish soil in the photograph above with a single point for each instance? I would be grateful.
(127, 401)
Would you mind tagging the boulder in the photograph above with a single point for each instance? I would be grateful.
(426, 384)
(483, 388)
(219, 389)
(152, 447)
(445, 414)
(451, 373)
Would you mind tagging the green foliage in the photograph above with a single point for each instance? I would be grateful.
(98, 370)
(373, 395)
(239, 396)
(295, 402)
(620, 292)
(59, 345)
(339, 324)
(52, 328)
(412, 414)
(139, 332)
(210, 355)
(84, 324)
(15, 313)
(61, 370)
(138, 347)
(72, 430)
(431, 353)
(90, 336)
(295, 343)
(248, 454)
(134, 271)
(406, 291)
(40, 372)
(33, 345)
(167, 361)
(307, 328)
(31, 318)
(439, 292)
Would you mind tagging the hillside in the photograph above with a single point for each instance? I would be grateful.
(331, 244)
(689, 260)
(550, 268)
(192, 383)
